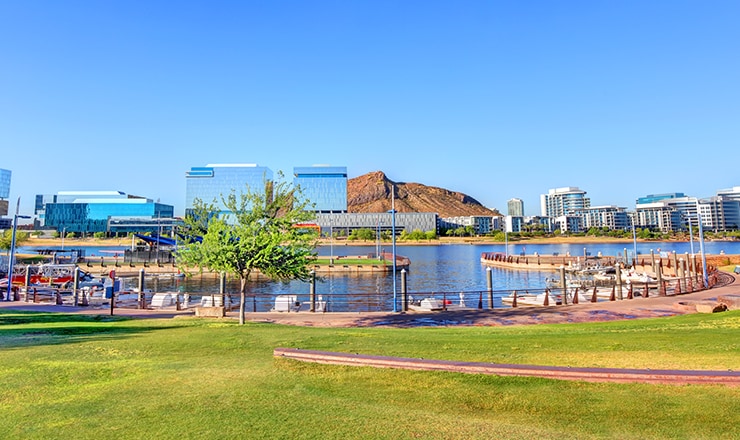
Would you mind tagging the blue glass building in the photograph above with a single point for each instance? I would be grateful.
(213, 182)
(86, 212)
(4, 191)
(325, 187)
(4, 183)
(652, 198)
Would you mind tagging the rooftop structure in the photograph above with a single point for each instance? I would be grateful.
(652, 198)
(730, 193)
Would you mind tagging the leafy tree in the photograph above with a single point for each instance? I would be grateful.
(7, 237)
(416, 234)
(430, 235)
(362, 234)
(99, 234)
(257, 234)
(499, 236)
(70, 235)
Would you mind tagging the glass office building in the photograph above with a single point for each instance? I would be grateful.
(213, 182)
(4, 191)
(88, 212)
(4, 183)
(325, 187)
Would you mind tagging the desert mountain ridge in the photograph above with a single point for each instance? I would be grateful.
(371, 192)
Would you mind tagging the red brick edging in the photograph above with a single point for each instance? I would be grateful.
(675, 377)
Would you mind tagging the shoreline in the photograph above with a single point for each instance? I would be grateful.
(126, 242)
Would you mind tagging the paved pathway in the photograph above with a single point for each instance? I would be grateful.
(621, 375)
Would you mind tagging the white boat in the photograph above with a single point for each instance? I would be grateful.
(532, 299)
(425, 304)
(638, 278)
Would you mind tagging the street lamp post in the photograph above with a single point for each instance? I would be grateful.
(701, 249)
(634, 245)
(393, 238)
(12, 249)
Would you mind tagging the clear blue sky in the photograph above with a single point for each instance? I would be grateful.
(491, 98)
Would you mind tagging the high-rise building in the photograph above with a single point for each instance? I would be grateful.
(85, 212)
(564, 201)
(515, 207)
(4, 191)
(214, 182)
(325, 187)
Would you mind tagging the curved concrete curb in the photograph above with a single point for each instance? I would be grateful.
(673, 377)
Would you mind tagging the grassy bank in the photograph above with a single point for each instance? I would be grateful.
(86, 377)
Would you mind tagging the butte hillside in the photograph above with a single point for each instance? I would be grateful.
(371, 192)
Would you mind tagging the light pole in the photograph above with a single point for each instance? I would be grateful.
(634, 245)
(393, 238)
(691, 235)
(331, 237)
(701, 249)
(12, 249)
(64, 232)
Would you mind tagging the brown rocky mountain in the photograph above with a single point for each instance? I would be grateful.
(372, 193)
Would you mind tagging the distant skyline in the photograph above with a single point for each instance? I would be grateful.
(496, 100)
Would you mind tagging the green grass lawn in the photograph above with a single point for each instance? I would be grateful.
(80, 377)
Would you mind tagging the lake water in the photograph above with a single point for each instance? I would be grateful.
(435, 269)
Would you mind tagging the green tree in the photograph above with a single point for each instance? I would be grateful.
(99, 234)
(7, 237)
(430, 235)
(362, 234)
(499, 236)
(416, 234)
(257, 234)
